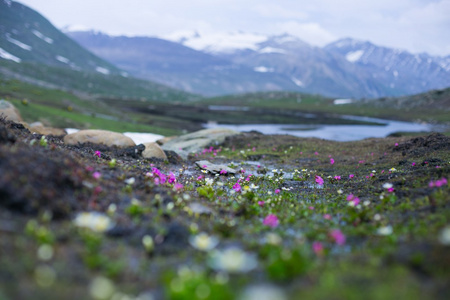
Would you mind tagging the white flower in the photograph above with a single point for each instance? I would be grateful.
(387, 185)
(253, 186)
(130, 181)
(94, 220)
(392, 169)
(203, 241)
(209, 181)
(444, 236)
(273, 239)
(263, 292)
(233, 260)
(386, 230)
(340, 192)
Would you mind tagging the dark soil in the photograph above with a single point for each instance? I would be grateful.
(46, 182)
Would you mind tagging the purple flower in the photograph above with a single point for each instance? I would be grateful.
(237, 187)
(96, 175)
(277, 191)
(223, 172)
(319, 180)
(337, 177)
(172, 178)
(98, 153)
(331, 161)
(317, 248)
(178, 186)
(337, 236)
(351, 176)
(271, 220)
(353, 200)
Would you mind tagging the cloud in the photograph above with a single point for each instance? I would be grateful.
(311, 32)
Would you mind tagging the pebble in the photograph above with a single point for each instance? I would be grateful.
(9, 111)
(153, 150)
(95, 136)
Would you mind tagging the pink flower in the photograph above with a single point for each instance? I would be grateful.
(337, 236)
(331, 161)
(237, 187)
(261, 203)
(413, 164)
(96, 175)
(317, 248)
(172, 178)
(223, 172)
(271, 220)
(438, 183)
(327, 216)
(396, 144)
(277, 191)
(353, 200)
(311, 208)
(337, 177)
(390, 190)
(319, 180)
(178, 186)
(98, 153)
(316, 153)
(351, 176)
(199, 178)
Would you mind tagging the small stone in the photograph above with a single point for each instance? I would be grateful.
(38, 127)
(164, 140)
(153, 150)
(214, 168)
(9, 111)
(196, 141)
(200, 209)
(108, 138)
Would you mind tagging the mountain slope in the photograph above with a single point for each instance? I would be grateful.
(311, 68)
(401, 71)
(179, 66)
(29, 37)
(34, 51)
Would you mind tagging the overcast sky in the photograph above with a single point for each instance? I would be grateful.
(413, 25)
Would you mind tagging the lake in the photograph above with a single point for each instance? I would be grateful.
(336, 132)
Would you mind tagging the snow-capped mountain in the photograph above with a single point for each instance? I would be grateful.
(179, 66)
(217, 64)
(400, 70)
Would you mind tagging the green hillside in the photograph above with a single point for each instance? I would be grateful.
(34, 51)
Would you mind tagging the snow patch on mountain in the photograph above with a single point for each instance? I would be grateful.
(62, 59)
(263, 69)
(18, 43)
(42, 37)
(285, 39)
(272, 50)
(218, 42)
(9, 56)
(297, 82)
(102, 70)
(354, 55)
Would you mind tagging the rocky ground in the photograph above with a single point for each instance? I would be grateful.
(262, 217)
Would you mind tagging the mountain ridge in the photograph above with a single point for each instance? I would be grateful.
(34, 51)
(288, 63)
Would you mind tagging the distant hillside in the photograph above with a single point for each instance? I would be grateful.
(401, 71)
(180, 66)
(34, 51)
(242, 62)
(26, 36)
